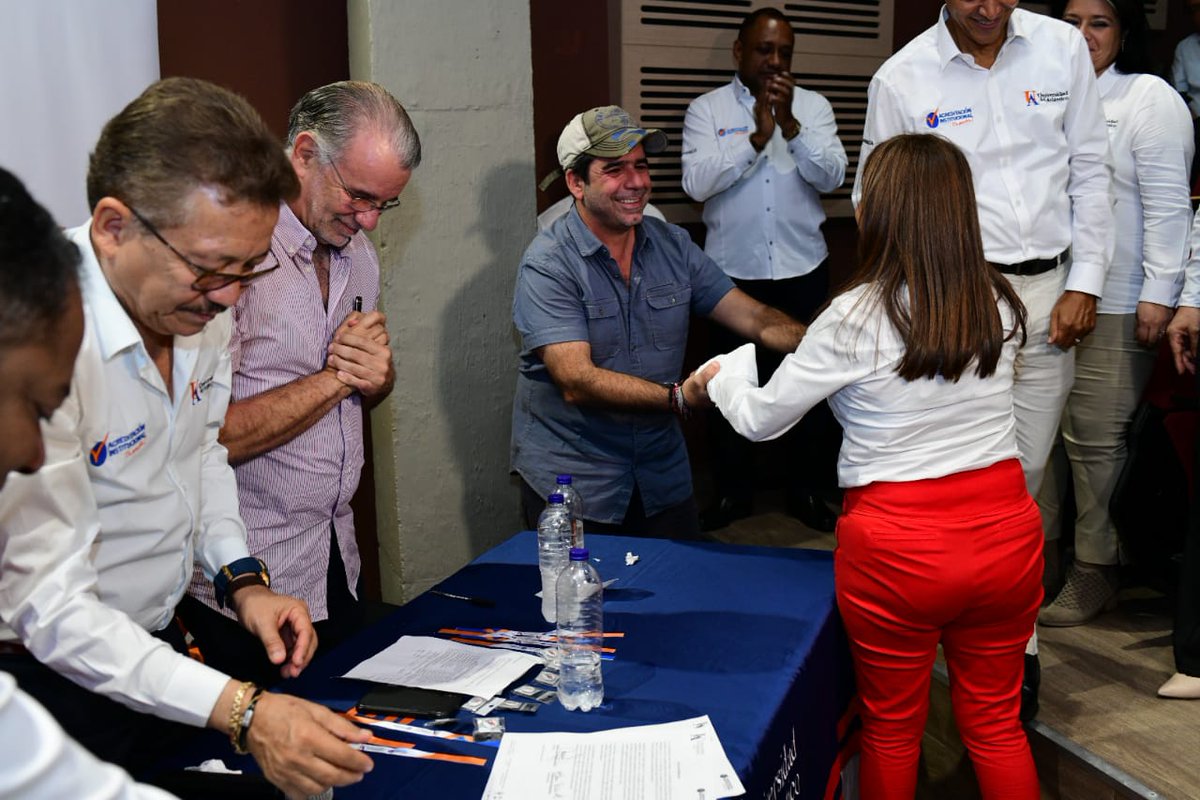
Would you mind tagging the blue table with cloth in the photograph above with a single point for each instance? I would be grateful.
(749, 636)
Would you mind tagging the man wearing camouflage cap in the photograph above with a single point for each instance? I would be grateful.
(603, 302)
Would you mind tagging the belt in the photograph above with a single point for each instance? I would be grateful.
(1034, 266)
(13, 649)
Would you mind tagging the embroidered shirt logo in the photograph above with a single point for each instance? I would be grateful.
(198, 388)
(1037, 97)
(128, 444)
(954, 117)
(732, 131)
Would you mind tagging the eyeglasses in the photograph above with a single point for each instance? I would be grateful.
(207, 280)
(361, 203)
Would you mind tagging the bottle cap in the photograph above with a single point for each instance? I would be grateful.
(579, 554)
(555, 498)
(563, 480)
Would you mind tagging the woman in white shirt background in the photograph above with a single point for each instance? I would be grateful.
(939, 540)
(1150, 135)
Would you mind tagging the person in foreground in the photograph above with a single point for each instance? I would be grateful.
(41, 325)
(939, 540)
(184, 186)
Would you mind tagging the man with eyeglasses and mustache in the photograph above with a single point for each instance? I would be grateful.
(306, 364)
(184, 186)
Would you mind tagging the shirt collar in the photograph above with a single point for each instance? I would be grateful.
(292, 236)
(741, 91)
(587, 243)
(115, 331)
(947, 49)
(1107, 79)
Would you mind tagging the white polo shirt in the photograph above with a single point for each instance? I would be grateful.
(1150, 133)
(1031, 127)
(101, 541)
(762, 209)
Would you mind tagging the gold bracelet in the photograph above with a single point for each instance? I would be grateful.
(240, 745)
(235, 713)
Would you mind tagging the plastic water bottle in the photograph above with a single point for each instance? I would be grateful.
(580, 633)
(554, 542)
(574, 503)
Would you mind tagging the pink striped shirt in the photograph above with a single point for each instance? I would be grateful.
(290, 495)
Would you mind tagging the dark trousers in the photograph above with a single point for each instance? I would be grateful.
(1187, 615)
(229, 647)
(810, 448)
(111, 731)
(680, 521)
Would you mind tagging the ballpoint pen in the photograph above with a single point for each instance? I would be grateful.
(482, 602)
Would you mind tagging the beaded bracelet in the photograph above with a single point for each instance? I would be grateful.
(240, 744)
(235, 713)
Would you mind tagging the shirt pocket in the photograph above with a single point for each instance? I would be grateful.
(604, 329)
(670, 314)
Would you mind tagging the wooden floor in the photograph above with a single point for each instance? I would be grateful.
(1102, 732)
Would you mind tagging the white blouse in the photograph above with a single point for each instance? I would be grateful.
(895, 430)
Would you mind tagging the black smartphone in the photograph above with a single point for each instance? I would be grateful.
(409, 701)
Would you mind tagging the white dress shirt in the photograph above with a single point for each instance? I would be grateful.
(762, 209)
(894, 430)
(1185, 71)
(40, 762)
(1190, 296)
(1150, 133)
(100, 542)
(1031, 127)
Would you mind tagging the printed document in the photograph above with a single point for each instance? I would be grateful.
(673, 761)
(430, 663)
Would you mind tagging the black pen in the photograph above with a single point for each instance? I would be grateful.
(482, 602)
(358, 302)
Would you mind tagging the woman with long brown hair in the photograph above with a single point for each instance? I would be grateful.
(939, 541)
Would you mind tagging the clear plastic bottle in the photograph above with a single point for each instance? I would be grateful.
(554, 542)
(580, 634)
(574, 502)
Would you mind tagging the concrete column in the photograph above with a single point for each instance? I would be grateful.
(449, 257)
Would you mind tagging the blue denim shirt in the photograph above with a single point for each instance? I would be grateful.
(569, 288)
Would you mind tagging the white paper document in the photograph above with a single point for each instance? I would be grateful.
(430, 663)
(673, 761)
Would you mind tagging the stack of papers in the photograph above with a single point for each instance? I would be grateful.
(431, 663)
(675, 760)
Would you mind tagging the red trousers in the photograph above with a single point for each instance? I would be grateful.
(955, 560)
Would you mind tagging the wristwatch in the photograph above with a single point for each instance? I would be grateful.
(246, 571)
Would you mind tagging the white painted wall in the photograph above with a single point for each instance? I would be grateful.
(449, 255)
(66, 68)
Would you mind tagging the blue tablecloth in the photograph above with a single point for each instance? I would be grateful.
(747, 635)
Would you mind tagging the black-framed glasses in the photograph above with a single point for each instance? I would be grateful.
(361, 203)
(207, 280)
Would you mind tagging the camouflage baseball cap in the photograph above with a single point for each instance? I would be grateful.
(606, 132)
